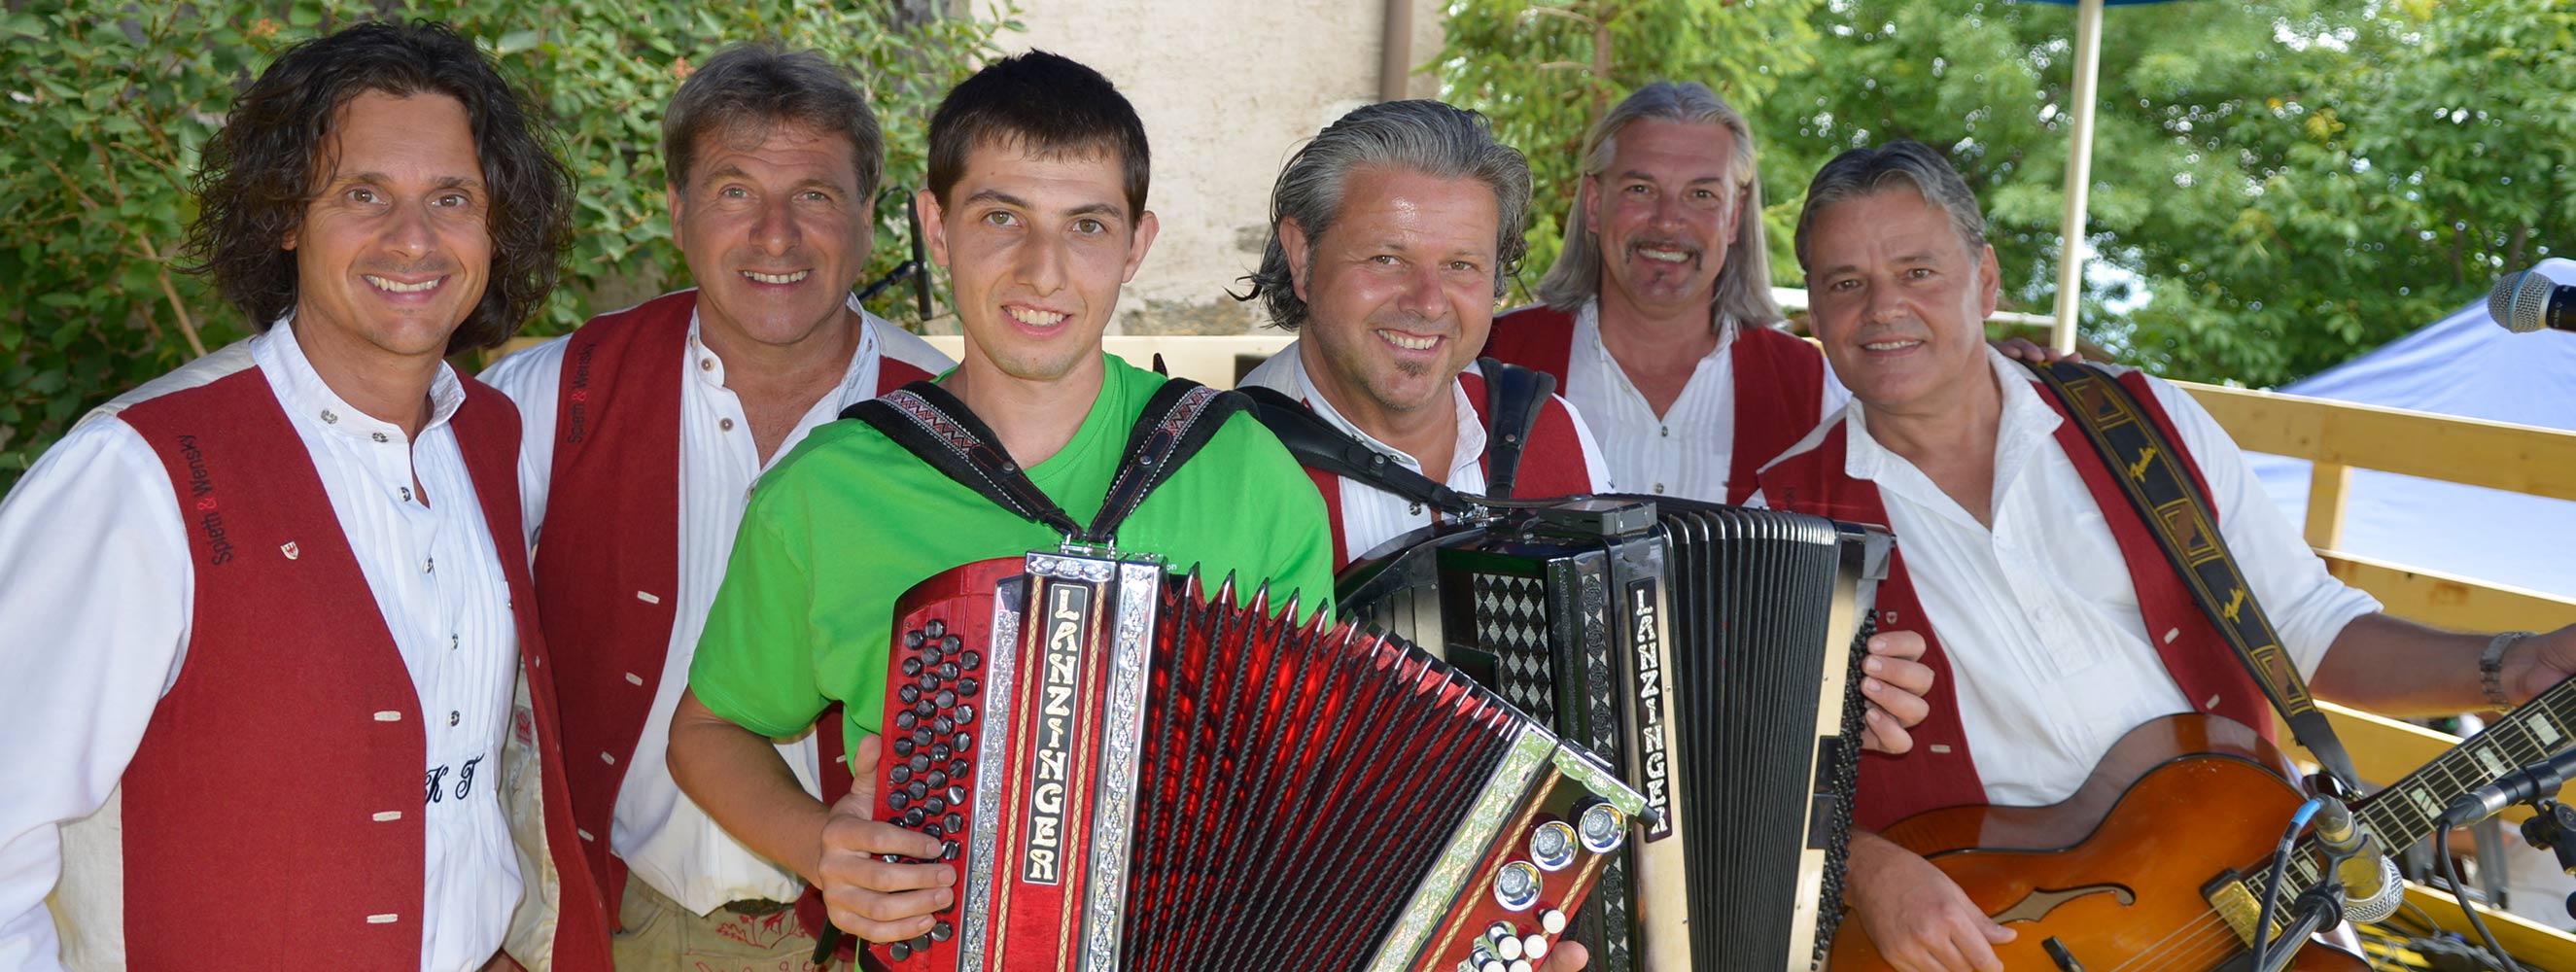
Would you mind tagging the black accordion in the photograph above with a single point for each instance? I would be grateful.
(1710, 652)
(1131, 773)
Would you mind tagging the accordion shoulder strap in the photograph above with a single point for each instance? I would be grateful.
(1318, 445)
(2114, 422)
(940, 430)
(1514, 397)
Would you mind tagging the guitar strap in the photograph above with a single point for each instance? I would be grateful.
(2179, 515)
(934, 426)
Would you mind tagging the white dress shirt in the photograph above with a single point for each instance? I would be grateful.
(1371, 516)
(2048, 650)
(665, 840)
(98, 587)
(1688, 450)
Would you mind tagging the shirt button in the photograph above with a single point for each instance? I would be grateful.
(726, 425)
(451, 641)
(406, 493)
(1659, 489)
(1416, 509)
(706, 364)
(329, 417)
(429, 566)
(1668, 431)
(452, 717)
(378, 436)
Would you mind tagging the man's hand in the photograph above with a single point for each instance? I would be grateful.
(1894, 682)
(2539, 662)
(869, 897)
(1565, 957)
(2021, 349)
(1917, 916)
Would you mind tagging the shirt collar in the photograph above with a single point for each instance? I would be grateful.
(2026, 424)
(1587, 333)
(1471, 432)
(858, 380)
(302, 392)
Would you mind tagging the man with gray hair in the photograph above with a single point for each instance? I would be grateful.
(645, 430)
(1658, 323)
(1391, 235)
(2050, 613)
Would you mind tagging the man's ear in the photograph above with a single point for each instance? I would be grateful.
(671, 199)
(1589, 197)
(1292, 241)
(934, 233)
(1989, 282)
(1139, 242)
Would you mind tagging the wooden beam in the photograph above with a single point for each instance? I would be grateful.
(2533, 945)
(2448, 600)
(2498, 455)
(2328, 485)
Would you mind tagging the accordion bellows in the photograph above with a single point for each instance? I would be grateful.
(1132, 773)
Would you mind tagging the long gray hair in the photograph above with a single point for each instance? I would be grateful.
(1417, 136)
(1744, 283)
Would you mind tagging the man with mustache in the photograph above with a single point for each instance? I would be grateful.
(1036, 205)
(2053, 617)
(645, 431)
(268, 613)
(1392, 233)
(1658, 321)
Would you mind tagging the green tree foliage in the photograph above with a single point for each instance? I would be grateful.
(2282, 182)
(1543, 69)
(106, 105)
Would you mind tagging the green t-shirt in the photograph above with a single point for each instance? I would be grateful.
(849, 521)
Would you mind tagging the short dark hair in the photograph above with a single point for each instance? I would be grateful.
(746, 88)
(261, 171)
(1046, 105)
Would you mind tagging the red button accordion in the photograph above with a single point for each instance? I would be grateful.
(1129, 772)
(1713, 654)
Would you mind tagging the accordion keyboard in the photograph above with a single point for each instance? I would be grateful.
(929, 748)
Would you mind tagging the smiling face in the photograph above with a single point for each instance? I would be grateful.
(1036, 249)
(1899, 301)
(1665, 211)
(393, 249)
(775, 231)
(1399, 290)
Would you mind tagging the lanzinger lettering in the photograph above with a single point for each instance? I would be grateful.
(1645, 640)
(1068, 617)
(201, 494)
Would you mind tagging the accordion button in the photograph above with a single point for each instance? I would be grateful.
(900, 773)
(919, 789)
(955, 822)
(939, 751)
(906, 719)
(903, 746)
(957, 768)
(1507, 946)
(1534, 947)
(920, 762)
(964, 714)
(951, 645)
(899, 951)
(941, 932)
(945, 698)
(943, 725)
(1552, 921)
(925, 708)
(1603, 828)
(914, 817)
(935, 628)
(936, 778)
(963, 742)
(934, 830)
(898, 800)
(928, 682)
(1552, 845)
(909, 694)
(1518, 965)
(920, 943)
(1493, 965)
(1517, 886)
(949, 670)
(935, 805)
(911, 667)
(922, 736)
(913, 639)
(968, 685)
(970, 661)
(948, 850)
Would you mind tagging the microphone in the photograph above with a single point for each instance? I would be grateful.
(2524, 302)
(2532, 781)
(2372, 888)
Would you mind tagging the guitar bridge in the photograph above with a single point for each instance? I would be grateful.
(2237, 906)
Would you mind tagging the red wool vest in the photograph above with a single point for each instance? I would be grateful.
(1774, 368)
(250, 827)
(1940, 772)
(1551, 464)
(608, 566)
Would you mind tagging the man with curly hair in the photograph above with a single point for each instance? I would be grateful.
(251, 600)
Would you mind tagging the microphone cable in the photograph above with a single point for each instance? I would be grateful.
(2451, 873)
(2280, 868)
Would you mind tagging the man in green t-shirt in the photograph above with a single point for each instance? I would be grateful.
(1036, 205)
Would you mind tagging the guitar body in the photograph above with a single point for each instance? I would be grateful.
(2115, 873)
